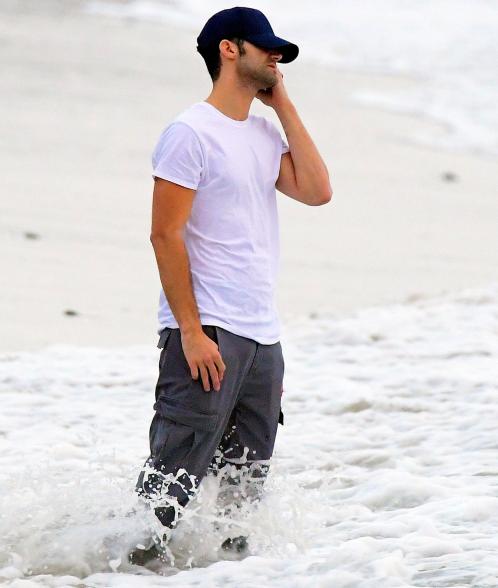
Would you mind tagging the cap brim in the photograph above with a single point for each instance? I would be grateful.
(289, 50)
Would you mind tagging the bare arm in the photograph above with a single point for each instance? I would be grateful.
(171, 254)
(303, 174)
(171, 208)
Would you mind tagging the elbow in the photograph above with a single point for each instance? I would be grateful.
(154, 237)
(323, 197)
(327, 194)
(327, 197)
(160, 237)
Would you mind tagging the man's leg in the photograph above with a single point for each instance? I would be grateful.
(189, 422)
(243, 456)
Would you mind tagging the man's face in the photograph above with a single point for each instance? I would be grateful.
(258, 65)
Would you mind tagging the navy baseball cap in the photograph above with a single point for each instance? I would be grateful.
(249, 24)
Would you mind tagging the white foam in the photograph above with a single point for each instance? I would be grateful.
(383, 474)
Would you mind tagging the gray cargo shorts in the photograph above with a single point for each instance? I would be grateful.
(194, 432)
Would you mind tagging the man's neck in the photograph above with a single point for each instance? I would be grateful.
(231, 103)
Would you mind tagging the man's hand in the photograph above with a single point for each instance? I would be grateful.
(275, 96)
(203, 356)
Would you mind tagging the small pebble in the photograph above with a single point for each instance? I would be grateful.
(30, 235)
(449, 176)
(70, 312)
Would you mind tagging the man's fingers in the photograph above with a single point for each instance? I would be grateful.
(210, 368)
(205, 377)
(214, 375)
(220, 365)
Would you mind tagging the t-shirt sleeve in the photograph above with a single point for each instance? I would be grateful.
(281, 144)
(178, 156)
(285, 146)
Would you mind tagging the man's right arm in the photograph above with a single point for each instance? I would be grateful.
(171, 209)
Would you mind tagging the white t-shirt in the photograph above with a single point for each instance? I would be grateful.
(232, 234)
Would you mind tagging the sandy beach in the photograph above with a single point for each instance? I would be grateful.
(384, 472)
(85, 98)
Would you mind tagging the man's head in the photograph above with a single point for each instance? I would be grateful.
(242, 39)
(243, 61)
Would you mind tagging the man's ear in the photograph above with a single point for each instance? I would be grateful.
(228, 48)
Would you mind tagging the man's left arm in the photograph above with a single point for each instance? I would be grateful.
(303, 174)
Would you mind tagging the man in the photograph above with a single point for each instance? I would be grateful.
(215, 237)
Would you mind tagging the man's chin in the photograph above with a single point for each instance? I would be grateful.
(268, 82)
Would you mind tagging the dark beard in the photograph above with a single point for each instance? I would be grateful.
(263, 77)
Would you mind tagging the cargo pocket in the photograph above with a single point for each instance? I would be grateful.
(183, 429)
(202, 421)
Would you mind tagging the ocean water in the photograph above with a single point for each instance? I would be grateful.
(385, 473)
(449, 47)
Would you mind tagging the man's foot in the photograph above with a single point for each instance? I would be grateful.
(238, 544)
(143, 555)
